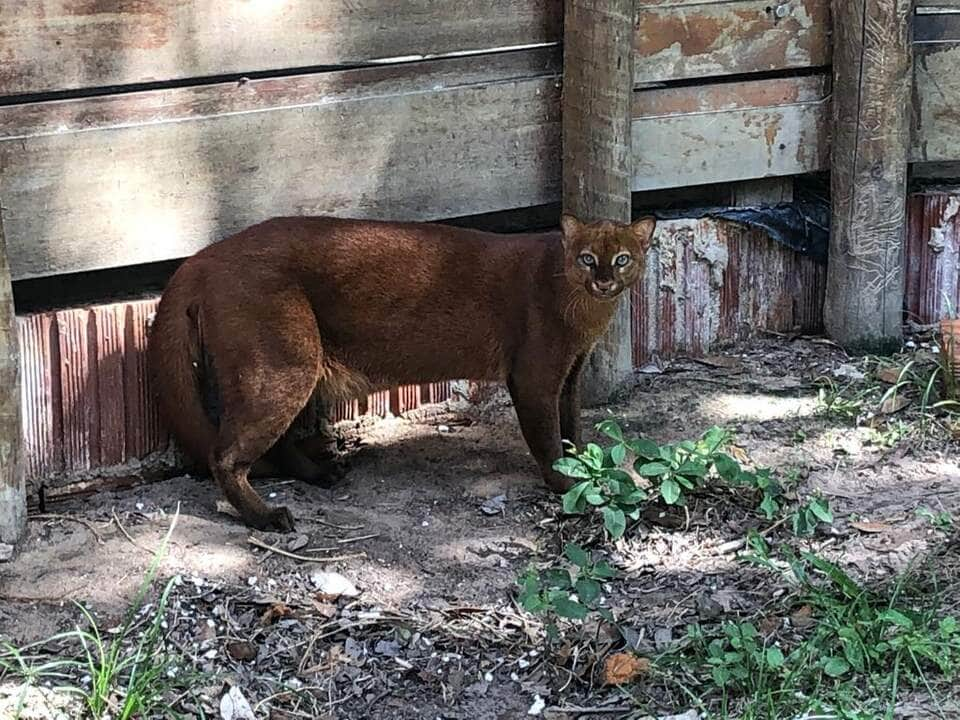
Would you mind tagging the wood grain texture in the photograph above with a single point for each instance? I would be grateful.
(13, 511)
(48, 45)
(151, 176)
(871, 133)
(730, 131)
(597, 159)
(936, 131)
(688, 41)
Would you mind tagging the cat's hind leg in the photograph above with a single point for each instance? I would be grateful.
(267, 362)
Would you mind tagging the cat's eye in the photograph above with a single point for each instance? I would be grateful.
(622, 260)
(587, 259)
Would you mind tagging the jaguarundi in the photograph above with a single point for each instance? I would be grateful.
(347, 307)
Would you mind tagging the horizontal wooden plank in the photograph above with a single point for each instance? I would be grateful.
(144, 177)
(49, 45)
(936, 131)
(692, 40)
(733, 131)
(937, 27)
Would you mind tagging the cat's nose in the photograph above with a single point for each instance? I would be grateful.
(605, 285)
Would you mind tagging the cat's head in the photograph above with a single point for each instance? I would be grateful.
(605, 257)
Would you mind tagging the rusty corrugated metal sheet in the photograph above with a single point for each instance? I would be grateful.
(710, 281)
(932, 257)
(87, 399)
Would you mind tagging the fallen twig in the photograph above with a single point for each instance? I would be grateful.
(69, 518)
(345, 541)
(735, 545)
(123, 530)
(256, 542)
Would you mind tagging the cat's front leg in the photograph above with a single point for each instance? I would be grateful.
(570, 404)
(535, 398)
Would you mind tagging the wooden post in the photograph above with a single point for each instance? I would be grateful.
(872, 69)
(597, 160)
(13, 511)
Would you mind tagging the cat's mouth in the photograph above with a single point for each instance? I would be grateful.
(604, 292)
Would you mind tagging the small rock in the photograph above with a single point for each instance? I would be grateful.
(538, 706)
(848, 371)
(298, 543)
(443, 428)
(6, 552)
(390, 648)
(663, 638)
(494, 506)
(331, 585)
(353, 649)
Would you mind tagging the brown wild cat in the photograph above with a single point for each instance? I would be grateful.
(350, 306)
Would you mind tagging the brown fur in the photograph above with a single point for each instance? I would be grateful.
(348, 306)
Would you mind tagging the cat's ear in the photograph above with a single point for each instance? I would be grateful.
(642, 231)
(571, 227)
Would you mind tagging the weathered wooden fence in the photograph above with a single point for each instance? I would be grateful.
(143, 132)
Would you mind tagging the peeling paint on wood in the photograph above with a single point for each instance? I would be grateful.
(678, 42)
(932, 262)
(709, 282)
(730, 131)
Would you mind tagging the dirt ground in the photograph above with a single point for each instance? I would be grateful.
(434, 631)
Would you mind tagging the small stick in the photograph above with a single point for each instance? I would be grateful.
(303, 558)
(345, 541)
(734, 545)
(337, 527)
(116, 520)
(69, 518)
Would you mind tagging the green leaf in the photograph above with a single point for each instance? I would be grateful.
(568, 608)
(668, 453)
(611, 429)
(775, 657)
(572, 467)
(556, 578)
(603, 570)
(769, 506)
(643, 448)
(593, 496)
(576, 554)
(652, 469)
(727, 467)
(897, 618)
(836, 667)
(821, 509)
(572, 498)
(618, 453)
(593, 456)
(670, 491)
(587, 590)
(948, 627)
(693, 468)
(614, 521)
(606, 615)
(715, 437)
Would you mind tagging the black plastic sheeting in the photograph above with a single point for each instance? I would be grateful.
(802, 225)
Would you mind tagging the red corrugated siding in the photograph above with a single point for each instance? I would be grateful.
(709, 282)
(932, 257)
(87, 400)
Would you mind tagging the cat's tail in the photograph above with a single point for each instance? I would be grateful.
(175, 362)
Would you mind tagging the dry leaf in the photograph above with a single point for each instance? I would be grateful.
(889, 375)
(243, 650)
(770, 624)
(622, 668)
(802, 618)
(739, 454)
(893, 404)
(234, 706)
(275, 612)
(870, 527)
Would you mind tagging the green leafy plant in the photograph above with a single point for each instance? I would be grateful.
(566, 592)
(671, 469)
(806, 518)
(941, 520)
